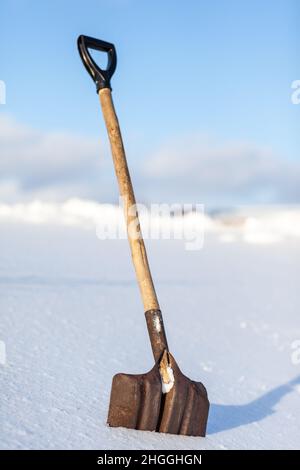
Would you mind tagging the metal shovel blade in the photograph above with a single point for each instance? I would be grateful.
(138, 401)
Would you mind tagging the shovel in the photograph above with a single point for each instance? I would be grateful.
(163, 399)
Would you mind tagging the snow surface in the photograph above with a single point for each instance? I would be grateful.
(71, 317)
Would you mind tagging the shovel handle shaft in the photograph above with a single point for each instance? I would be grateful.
(136, 242)
(137, 246)
(102, 77)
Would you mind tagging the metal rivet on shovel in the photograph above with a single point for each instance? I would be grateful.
(163, 399)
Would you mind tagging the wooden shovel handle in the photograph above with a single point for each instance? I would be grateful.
(137, 246)
(138, 251)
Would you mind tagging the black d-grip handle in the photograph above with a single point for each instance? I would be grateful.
(100, 77)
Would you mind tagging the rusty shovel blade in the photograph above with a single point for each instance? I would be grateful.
(162, 400)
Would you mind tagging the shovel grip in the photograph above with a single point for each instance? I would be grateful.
(100, 76)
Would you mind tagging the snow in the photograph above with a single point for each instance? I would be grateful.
(71, 317)
(167, 385)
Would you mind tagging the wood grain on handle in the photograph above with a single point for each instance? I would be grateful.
(137, 246)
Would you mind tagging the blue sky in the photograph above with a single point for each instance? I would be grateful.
(188, 72)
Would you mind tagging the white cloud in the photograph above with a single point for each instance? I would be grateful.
(57, 166)
(222, 172)
(47, 164)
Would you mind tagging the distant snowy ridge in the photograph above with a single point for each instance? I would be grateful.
(269, 224)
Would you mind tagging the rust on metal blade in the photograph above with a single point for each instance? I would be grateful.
(137, 402)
